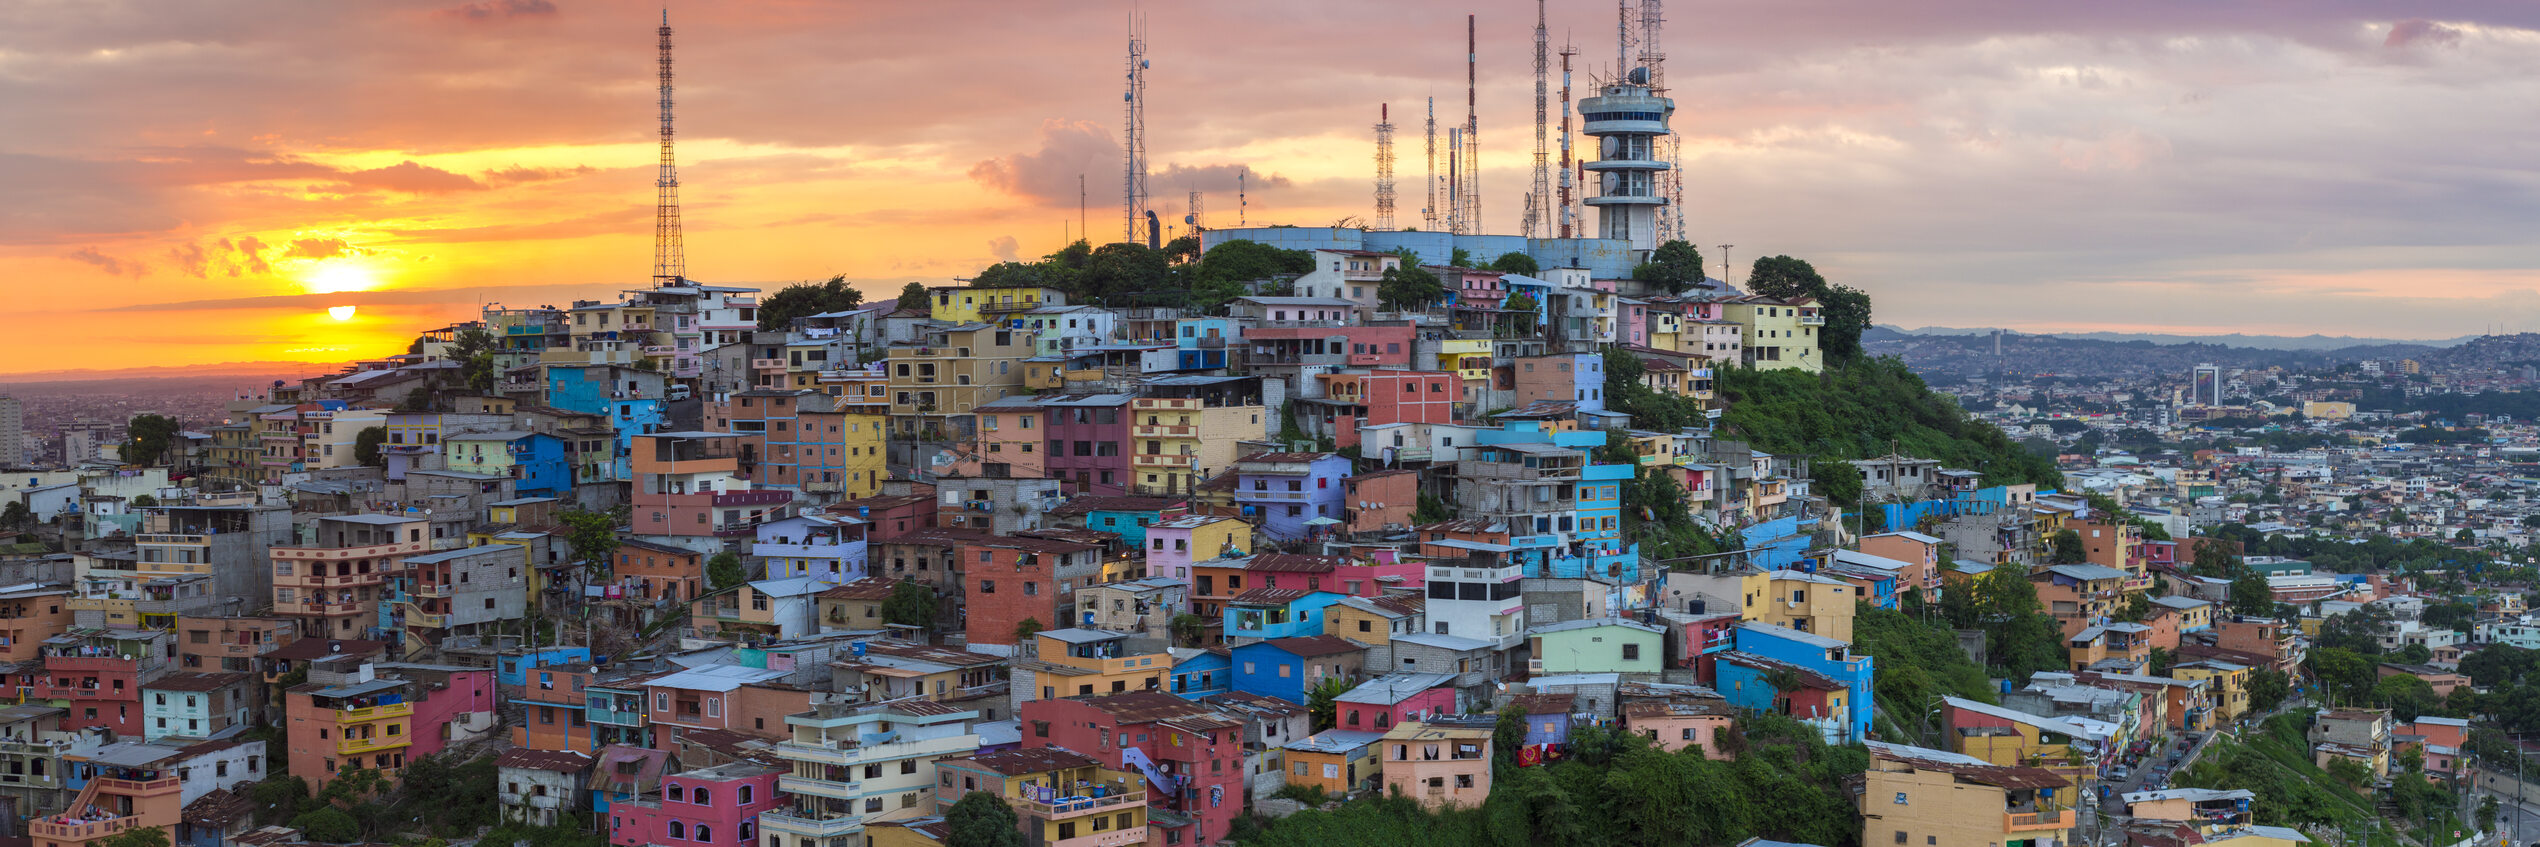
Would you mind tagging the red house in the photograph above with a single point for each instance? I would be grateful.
(1378, 704)
(892, 516)
(1700, 640)
(1373, 501)
(1007, 581)
(1193, 757)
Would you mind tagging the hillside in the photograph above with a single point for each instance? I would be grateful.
(1963, 356)
(1867, 408)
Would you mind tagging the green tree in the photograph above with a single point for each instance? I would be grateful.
(2138, 608)
(1121, 273)
(1182, 249)
(1025, 629)
(1846, 310)
(1458, 258)
(328, 824)
(981, 819)
(1409, 288)
(593, 536)
(2213, 557)
(2068, 549)
(2344, 676)
(418, 400)
(16, 515)
(1674, 266)
(148, 836)
(144, 501)
(1189, 630)
(915, 297)
(725, 570)
(805, 299)
(147, 438)
(911, 604)
(1506, 736)
(1528, 315)
(367, 444)
(2268, 688)
(1429, 508)
(1322, 702)
(279, 797)
(474, 350)
(1233, 268)
(2250, 594)
(1515, 262)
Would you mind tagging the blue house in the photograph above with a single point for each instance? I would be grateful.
(1200, 673)
(1287, 668)
(630, 397)
(1277, 613)
(1295, 494)
(1583, 540)
(1547, 717)
(1834, 693)
(512, 671)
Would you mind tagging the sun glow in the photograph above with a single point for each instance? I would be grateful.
(341, 313)
(339, 277)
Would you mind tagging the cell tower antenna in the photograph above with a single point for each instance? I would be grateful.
(1243, 203)
(1567, 51)
(1087, 234)
(1671, 221)
(1197, 217)
(1429, 211)
(670, 254)
(1539, 202)
(1133, 181)
(1384, 166)
(1472, 190)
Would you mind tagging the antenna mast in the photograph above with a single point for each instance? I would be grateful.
(1384, 166)
(670, 255)
(1472, 188)
(1196, 218)
(1429, 212)
(1539, 201)
(1567, 51)
(1133, 187)
(1671, 220)
(1242, 203)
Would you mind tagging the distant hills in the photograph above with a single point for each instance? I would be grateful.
(2260, 342)
(1971, 353)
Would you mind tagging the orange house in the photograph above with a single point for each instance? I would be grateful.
(30, 615)
(648, 571)
(132, 798)
(552, 716)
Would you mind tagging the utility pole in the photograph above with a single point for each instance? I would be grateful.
(1724, 264)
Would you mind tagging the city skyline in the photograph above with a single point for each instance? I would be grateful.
(218, 184)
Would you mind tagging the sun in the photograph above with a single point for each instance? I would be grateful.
(341, 313)
(340, 277)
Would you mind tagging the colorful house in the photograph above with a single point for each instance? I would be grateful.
(1842, 711)
(1060, 798)
(1295, 495)
(1287, 668)
(1338, 761)
(1181, 747)
(534, 461)
(1378, 704)
(1440, 767)
(719, 805)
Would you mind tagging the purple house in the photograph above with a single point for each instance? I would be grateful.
(1296, 495)
(1088, 437)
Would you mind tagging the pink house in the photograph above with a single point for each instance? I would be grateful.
(1173, 545)
(1633, 326)
(441, 711)
(1472, 287)
(1378, 704)
(714, 806)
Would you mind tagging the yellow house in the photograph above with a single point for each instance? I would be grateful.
(953, 370)
(1060, 798)
(1469, 358)
(2014, 738)
(1664, 327)
(1177, 441)
(2327, 410)
(1799, 600)
(1081, 662)
(1919, 796)
(1777, 334)
(1336, 760)
(1374, 621)
(954, 304)
(2226, 686)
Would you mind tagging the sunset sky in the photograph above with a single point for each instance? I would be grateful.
(192, 182)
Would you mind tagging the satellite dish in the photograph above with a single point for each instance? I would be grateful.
(1640, 76)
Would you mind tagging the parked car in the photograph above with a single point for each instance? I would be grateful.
(2118, 773)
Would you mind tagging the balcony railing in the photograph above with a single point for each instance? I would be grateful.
(353, 746)
(2020, 821)
(46, 829)
(811, 824)
(819, 787)
(372, 713)
(1163, 431)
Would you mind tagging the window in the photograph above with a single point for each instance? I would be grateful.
(1900, 836)
(1631, 652)
(680, 830)
(678, 793)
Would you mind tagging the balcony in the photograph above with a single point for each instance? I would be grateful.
(2027, 821)
(163, 538)
(810, 824)
(372, 713)
(630, 717)
(1164, 431)
(767, 364)
(46, 829)
(1162, 461)
(1812, 320)
(356, 746)
(791, 784)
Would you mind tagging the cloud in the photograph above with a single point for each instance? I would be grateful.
(248, 253)
(516, 174)
(111, 265)
(501, 10)
(1003, 247)
(625, 220)
(1067, 151)
(383, 297)
(190, 259)
(2421, 31)
(1215, 179)
(411, 178)
(320, 248)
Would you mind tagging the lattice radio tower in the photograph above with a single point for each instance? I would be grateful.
(670, 256)
(1133, 179)
(1539, 201)
(1384, 167)
(1568, 188)
(1469, 190)
(1429, 210)
(1671, 222)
